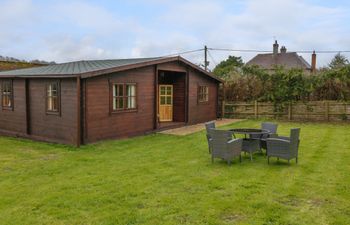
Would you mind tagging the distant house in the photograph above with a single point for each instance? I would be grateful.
(87, 101)
(283, 58)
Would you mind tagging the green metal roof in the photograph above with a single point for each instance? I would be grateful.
(90, 68)
(74, 68)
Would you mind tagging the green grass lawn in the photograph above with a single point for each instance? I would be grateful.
(163, 179)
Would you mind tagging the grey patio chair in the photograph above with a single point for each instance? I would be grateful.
(211, 125)
(223, 146)
(208, 126)
(284, 147)
(250, 146)
(271, 127)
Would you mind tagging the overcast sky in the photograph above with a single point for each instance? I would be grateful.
(69, 30)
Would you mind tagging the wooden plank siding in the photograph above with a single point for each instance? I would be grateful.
(172, 66)
(85, 112)
(179, 98)
(59, 128)
(201, 112)
(14, 121)
(29, 118)
(101, 123)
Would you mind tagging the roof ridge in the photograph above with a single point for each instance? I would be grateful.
(288, 59)
(90, 68)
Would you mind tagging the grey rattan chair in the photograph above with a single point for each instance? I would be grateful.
(284, 147)
(208, 126)
(250, 146)
(223, 146)
(271, 127)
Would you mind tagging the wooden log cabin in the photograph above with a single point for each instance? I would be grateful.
(87, 101)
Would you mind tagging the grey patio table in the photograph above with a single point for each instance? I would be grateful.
(250, 145)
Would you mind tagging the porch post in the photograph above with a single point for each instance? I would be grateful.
(155, 122)
(187, 94)
(78, 140)
(27, 99)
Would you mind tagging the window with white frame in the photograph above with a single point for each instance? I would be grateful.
(53, 97)
(203, 94)
(7, 95)
(123, 96)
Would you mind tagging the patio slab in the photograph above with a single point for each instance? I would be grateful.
(182, 131)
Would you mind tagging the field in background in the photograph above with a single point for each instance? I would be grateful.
(6, 65)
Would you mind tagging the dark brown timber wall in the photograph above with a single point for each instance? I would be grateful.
(101, 124)
(179, 98)
(30, 119)
(59, 128)
(34, 122)
(14, 121)
(201, 112)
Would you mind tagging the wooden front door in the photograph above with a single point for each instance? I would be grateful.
(165, 103)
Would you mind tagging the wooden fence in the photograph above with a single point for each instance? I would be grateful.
(310, 111)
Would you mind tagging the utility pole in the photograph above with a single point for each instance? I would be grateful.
(206, 63)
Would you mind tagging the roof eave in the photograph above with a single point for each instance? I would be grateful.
(200, 69)
(41, 76)
(148, 63)
(119, 69)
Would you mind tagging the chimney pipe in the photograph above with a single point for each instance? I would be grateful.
(275, 48)
(313, 62)
(283, 49)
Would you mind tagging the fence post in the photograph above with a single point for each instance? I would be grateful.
(256, 113)
(345, 111)
(223, 100)
(327, 110)
(223, 109)
(290, 111)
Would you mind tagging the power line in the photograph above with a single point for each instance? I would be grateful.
(182, 53)
(269, 51)
(323, 51)
(237, 50)
(255, 51)
(206, 51)
(212, 59)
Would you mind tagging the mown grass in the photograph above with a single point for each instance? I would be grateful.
(163, 179)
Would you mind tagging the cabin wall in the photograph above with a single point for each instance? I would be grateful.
(101, 123)
(60, 128)
(40, 125)
(14, 120)
(201, 112)
(172, 66)
(179, 99)
(98, 123)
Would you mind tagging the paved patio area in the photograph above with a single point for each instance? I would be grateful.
(181, 131)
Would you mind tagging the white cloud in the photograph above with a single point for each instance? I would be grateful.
(156, 44)
(66, 48)
(74, 30)
(193, 14)
(15, 16)
(92, 17)
(295, 23)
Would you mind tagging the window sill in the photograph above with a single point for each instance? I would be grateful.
(124, 111)
(53, 113)
(203, 103)
(5, 108)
